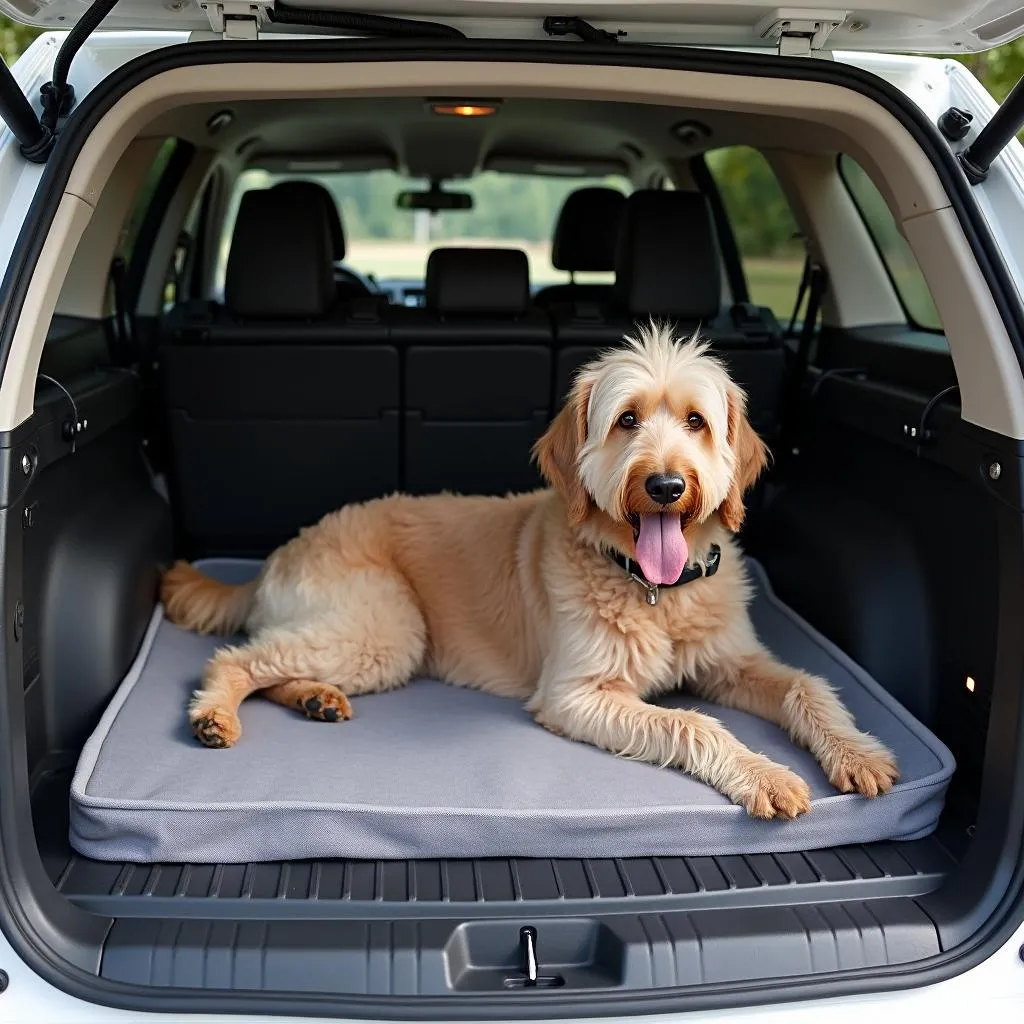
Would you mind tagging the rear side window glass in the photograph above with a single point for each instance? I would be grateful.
(892, 247)
(763, 225)
(132, 226)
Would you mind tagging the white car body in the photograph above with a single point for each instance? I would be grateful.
(992, 991)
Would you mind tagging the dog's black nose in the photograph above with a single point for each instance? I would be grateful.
(665, 488)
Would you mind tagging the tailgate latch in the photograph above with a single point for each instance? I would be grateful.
(237, 19)
(531, 977)
(800, 31)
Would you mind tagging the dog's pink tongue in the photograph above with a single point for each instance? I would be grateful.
(661, 548)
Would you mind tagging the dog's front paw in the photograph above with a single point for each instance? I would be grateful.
(215, 727)
(768, 790)
(862, 766)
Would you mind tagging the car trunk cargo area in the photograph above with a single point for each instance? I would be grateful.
(382, 923)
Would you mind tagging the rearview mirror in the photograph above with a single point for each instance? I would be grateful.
(434, 199)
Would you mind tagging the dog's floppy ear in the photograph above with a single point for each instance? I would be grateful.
(751, 456)
(557, 451)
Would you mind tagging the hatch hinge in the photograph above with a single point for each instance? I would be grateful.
(238, 19)
(800, 31)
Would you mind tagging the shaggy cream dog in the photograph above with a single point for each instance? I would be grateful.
(620, 583)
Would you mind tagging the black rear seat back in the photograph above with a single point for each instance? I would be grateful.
(282, 404)
(477, 377)
(585, 239)
(668, 268)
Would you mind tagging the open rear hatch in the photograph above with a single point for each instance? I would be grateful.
(940, 26)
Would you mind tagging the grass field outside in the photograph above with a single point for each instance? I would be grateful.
(773, 281)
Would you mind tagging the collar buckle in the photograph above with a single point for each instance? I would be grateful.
(651, 589)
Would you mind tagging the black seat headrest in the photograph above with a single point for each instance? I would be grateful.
(492, 281)
(303, 191)
(667, 257)
(279, 266)
(587, 229)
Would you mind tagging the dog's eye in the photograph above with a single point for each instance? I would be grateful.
(695, 421)
(628, 420)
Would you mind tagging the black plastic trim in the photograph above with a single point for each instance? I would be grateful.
(23, 914)
(448, 959)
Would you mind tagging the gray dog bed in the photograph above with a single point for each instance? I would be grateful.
(438, 771)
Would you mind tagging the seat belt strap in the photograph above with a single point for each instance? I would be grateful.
(817, 285)
(801, 294)
(121, 347)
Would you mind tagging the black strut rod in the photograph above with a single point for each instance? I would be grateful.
(977, 158)
(19, 116)
(57, 96)
(362, 24)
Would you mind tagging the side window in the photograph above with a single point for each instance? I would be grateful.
(763, 225)
(893, 248)
(134, 247)
(133, 224)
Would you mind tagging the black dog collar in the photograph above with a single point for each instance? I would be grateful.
(688, 575)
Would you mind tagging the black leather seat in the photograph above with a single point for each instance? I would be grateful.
(668, 267)
(585, 238)
(477, 375)
(301, 190)
(282, 404)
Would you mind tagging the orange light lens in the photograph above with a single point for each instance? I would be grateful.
(464, 109)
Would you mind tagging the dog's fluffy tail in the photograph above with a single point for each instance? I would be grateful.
(204, 605)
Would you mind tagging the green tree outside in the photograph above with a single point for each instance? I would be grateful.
(14, 38)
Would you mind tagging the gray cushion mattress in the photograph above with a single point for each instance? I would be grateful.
(438, 771)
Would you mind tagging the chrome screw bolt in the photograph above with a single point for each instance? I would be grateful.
(995, 471)
(26, 464)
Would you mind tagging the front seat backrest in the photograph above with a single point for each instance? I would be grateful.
(585, 238)
(302, 190)
(279, 265)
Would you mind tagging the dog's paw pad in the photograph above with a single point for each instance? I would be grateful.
(328, 704)
(216, 729)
